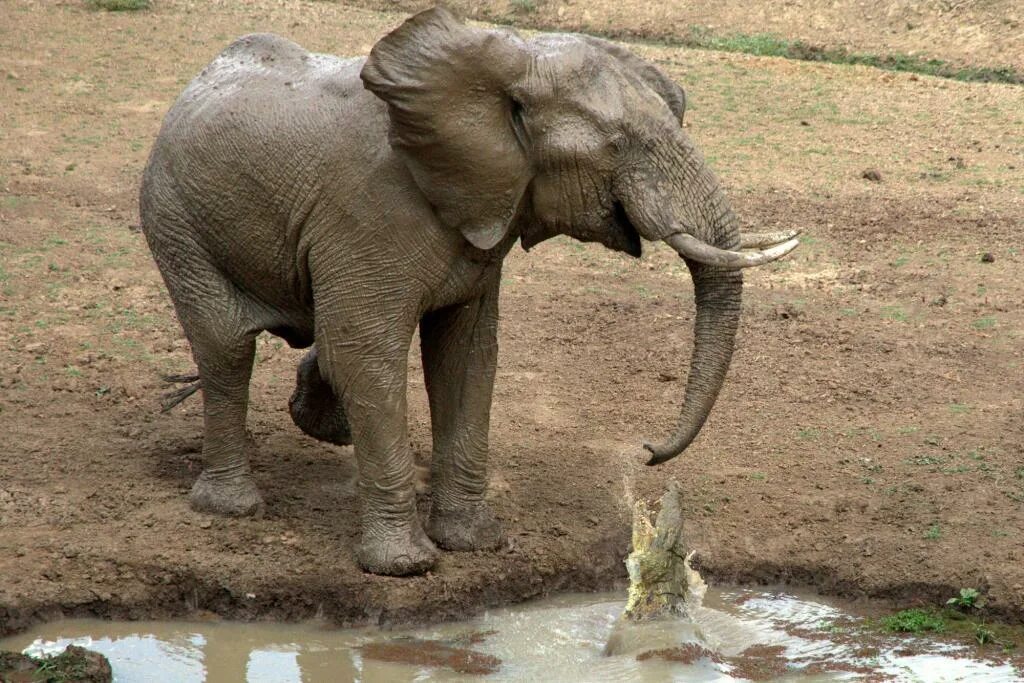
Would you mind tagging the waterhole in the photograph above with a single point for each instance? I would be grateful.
(738, 634)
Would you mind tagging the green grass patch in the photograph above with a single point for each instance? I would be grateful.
(119, 5)
(986, 323)
(914, 621)
(526, 6)
(895, 313)
(770, 45)
(954, 625)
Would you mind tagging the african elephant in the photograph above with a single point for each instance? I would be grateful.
(343, 202)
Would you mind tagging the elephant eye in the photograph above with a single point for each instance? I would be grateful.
(516, 111)
(618, 142)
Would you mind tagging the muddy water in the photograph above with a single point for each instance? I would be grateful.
(743, 633)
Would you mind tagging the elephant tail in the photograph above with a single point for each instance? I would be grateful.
(172, 398)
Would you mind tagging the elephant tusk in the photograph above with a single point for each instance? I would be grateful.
(692, 248)
(758, 240)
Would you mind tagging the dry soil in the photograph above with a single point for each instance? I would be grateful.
(868, 442)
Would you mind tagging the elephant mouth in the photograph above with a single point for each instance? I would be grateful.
(625, 236)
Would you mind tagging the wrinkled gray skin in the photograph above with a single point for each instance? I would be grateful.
(343, 202)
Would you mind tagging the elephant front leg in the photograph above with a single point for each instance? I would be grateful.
(460, 349)
(370, 376)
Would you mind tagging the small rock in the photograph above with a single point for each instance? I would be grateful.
(988, 257)
(205, 524)
(872, 174)
(805, 123)
(787, 311)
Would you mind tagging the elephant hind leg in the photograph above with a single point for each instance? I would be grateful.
(221, 326)
(314, 406)
(226, 485)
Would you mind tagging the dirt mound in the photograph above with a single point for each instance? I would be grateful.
(74, 665)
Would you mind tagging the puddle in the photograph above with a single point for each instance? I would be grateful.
(737, 635)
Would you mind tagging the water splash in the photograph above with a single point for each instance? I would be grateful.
(662, 582)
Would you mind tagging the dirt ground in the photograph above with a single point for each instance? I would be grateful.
(868, 442)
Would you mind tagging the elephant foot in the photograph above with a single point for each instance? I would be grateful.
(401, 555)
(235, 497)
(466, 528)
(314, 406)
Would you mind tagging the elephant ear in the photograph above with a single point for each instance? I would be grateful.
(654, 77)
(446, 87)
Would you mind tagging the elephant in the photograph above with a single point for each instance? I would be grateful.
(342, 203)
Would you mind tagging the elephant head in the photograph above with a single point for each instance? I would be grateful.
(567, 134)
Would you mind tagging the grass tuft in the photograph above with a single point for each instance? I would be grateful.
(119, 5)
(969, 598)
(986, 323)
(914, 621)
(526, 6)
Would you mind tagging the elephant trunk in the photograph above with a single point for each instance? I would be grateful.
(717, 296)
(677, 199)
